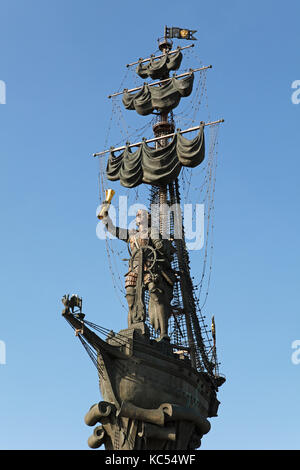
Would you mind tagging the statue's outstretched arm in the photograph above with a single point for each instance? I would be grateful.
(121, 233)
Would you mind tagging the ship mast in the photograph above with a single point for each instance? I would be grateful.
(162, 128)
(186, 319)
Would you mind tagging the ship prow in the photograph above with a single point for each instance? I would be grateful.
(146, 372)
(144, 379)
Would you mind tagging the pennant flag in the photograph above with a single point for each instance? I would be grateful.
(180, 33)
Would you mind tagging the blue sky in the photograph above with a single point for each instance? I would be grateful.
(59, 60)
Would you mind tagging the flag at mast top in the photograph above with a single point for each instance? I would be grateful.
(180, 33)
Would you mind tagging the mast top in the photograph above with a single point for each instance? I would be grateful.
(164, 44)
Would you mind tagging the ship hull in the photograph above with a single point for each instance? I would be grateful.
(152, 374)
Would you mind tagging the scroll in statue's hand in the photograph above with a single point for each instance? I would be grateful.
(103, 211)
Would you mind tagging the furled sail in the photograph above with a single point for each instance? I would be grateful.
(158, 69)
(163, 98)
(156, 166)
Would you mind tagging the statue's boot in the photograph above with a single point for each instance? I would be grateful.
(130, 296)
(164, 337)
(163, 323)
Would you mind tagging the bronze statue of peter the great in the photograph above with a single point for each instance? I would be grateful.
(149, 269)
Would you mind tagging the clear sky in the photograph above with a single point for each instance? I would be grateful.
(59, 60)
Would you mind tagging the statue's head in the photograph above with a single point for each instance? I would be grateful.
(143, 219)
